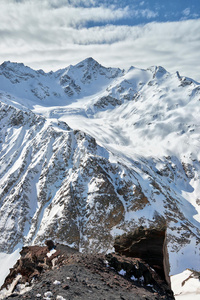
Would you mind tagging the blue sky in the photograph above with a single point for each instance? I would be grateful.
(51, 34)
(141, 12)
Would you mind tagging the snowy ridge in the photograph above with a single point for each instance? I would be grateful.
(130, 157)
(55, 88)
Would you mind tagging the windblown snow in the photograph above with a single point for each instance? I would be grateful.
(89, 152)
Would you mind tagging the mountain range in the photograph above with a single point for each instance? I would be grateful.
(89, 153)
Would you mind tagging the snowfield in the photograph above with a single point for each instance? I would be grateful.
(186, 286)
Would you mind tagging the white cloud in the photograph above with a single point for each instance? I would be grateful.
(145, 13)
(186, 11)
(40, 14)
(51, 38)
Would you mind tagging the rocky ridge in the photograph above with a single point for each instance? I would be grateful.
(116, 166)
(56, 271)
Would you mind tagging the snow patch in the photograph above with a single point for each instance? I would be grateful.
(51, 252)
(7, 292)
(48, 295)
(57, 282)
(186, 286)
(122, 272)
(60, 298)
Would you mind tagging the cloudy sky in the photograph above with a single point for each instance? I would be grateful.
(51, 34)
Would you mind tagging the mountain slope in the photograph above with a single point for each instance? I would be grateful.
(130, 157)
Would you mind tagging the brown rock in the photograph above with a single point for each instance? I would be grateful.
(149, 245)
(65, 287)
(88, 273)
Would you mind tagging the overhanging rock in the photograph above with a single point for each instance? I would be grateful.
(149, 245)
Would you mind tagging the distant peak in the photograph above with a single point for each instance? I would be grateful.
(9, 64)
(87, 62)
(157, 71)
(15, 66)
(160, 69)
(90, 60)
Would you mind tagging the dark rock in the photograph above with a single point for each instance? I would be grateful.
(82, 276)
(50, 244)
(13, 295)
(65, 286)
(138, 270)
(149, 245)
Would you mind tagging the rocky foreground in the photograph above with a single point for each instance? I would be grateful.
(60, 272)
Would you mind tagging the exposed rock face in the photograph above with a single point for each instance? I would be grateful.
(34, 260)
(73, 275)
(149, 245)
(142, 273)
(107, 101)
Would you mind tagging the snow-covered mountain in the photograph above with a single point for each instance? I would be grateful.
(89, 152)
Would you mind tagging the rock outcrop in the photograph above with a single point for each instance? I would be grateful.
(149, 245)
(64, 272)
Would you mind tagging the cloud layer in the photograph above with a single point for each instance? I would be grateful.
(53, 34)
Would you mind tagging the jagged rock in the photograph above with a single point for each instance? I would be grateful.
(50, 244)
(74, 275)
(106, 101)
(139, 271)
(34, 260)
(148, 244)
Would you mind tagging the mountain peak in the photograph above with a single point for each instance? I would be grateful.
(11, 65)
(16, 68)
(89, 62)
